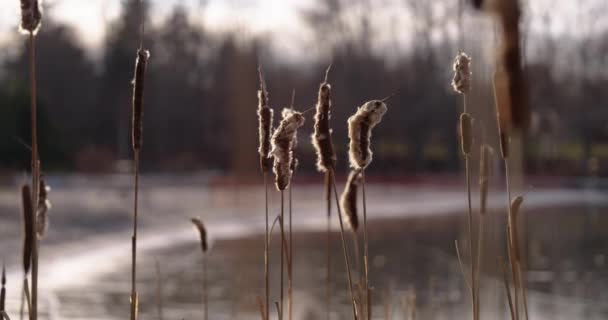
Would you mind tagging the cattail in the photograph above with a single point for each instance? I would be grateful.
(202, 231)
(461, 82)
(360, 127)
(485, 169)
(283, 142)
(265, 117)
(31, 15)
(28, 227)
(466, 132)
(321, 138)
(348, 200)
(138, 97)
(515, 206)
(44, 204)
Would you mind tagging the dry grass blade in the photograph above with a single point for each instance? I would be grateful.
(501, 264)
(464, 274)
(260, 302)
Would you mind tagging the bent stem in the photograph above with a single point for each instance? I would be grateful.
(346, 259)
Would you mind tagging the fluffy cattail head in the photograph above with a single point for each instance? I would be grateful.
(28, 227)
(348, 200)
(360, 127)
(44, 204)
(31, 15)
(485, 169)
(138, 97)
(265, 116)
(462, 73)
(202, 232)
(466, 133)
(321, 138)
(283, 143)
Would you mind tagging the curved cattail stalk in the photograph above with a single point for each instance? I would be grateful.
(31, 16)
(360, 127)
(283, 142)
(28, 227)
(204, 248)
(348, 200)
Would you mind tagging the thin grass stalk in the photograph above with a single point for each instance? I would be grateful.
(260, 301)
(205, 288)
(470, 220)
(360, 281)
(290, 257)
(3, 291)
(328, 249)
(523, 290)
(365, 245)
(346, 259)
(507, 289)
(35, 171)
(266, 249)
(28, 297)
(282, 225)
(134, 297)
(510, 238)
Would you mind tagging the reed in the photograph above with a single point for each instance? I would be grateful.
(485, 170)
(461, 83)
(138, 82)
(360, 127)
(265, 117)
(283, 143)
(291, 253)
(3, 292)
(326, 161)
(204, 248)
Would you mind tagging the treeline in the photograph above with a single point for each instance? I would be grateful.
(201, 87)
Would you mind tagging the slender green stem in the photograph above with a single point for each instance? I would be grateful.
(346, 258)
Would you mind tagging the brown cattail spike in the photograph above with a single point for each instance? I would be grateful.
(466, 132)
(462, 73)
(44, 204)
(28, 227)
(515, 206)
(283, 143)
(202, 231)
(348, 200)
(31, 15)
(138, 97)
(265, 117)
(321, 138)
(485, 169)
(360, 127)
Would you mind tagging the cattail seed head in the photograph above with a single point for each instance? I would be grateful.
(44, 204)
(348, 200)
(321, 138)
(138, 97)
(202, 232)
(485, 169)
(283, 143)
(28, 227)
(466, 132)
(265, 117)
(360, 127)
(461, 82)
(515, 207)
(31, 15)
